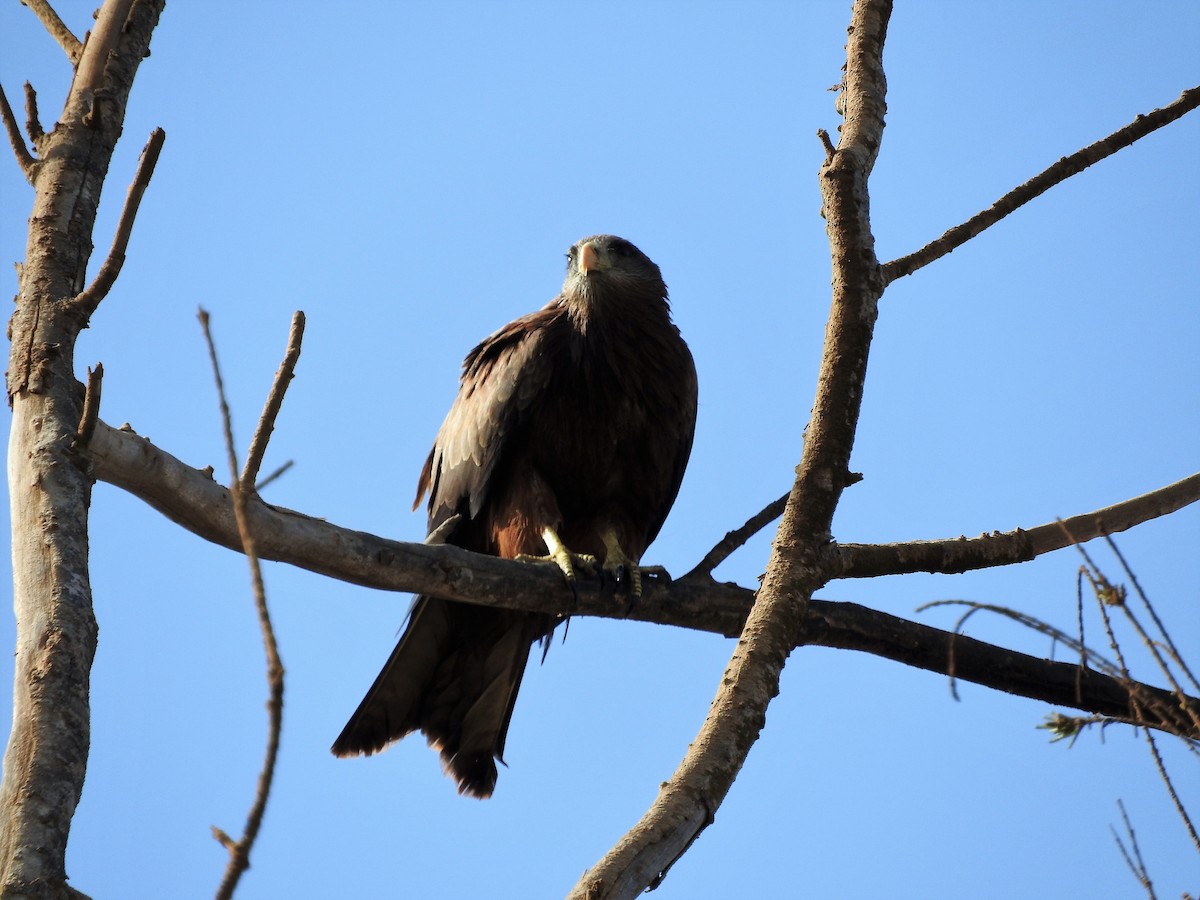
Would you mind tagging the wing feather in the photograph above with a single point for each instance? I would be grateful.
(501, 379)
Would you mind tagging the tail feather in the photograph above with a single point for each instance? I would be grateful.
(454, 675)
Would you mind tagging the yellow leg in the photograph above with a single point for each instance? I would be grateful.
(620, 567)
(565, 559)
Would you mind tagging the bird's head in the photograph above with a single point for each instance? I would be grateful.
(604, 264)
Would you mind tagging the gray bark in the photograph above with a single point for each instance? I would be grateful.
(49, 485)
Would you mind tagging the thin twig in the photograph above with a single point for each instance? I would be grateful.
(1133, 855)
(91, 407)
(57, 28)
(25, 159)
(87, 301)
(1060, 171)
(1162, 630)
(1166, 780)
(736, 538)
(33, 123)
(259, 485)
(239, 851)
(266, 422)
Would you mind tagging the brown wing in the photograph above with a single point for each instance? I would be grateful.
(456, 670)
(501, 378)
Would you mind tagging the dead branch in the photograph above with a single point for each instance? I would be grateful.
(1039, 184)
(91, 407)
(24, 158)
(33, 124)
(736, 538)
(688, 801)
(240, 488)
(86, 302)
(1133, 854)
(266, 422)
(955, 555)
(57, 28)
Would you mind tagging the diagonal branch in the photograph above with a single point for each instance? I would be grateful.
(266, 422)
(57, 28)
(87, 301)
(955, 555)
(1060, 171)
(736, 538)
(688, 801)
(24, 158)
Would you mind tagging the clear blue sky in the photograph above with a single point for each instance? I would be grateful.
(410, 176)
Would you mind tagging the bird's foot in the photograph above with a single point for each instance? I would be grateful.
(622, 572)
(566, 560)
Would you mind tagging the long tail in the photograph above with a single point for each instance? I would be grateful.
(454, 675)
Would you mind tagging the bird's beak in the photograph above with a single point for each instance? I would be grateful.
(589, 258)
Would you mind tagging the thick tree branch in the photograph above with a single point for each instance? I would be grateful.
(961, 554)
(191, 498)
(24, 158)
(86, 302)
(57, 28)
(1038, 185)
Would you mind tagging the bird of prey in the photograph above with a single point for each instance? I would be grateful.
(568, 437)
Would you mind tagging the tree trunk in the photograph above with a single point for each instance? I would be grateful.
(49, 485)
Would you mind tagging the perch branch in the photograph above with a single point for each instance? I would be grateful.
(57, 28)
(266, 422)
(192, 499)
(736, 538)
(1039, 184)
(961, 554)
(24, 158)
(239, 851)
(86, 302)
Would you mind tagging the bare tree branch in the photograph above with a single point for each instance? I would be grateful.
(954, 555)
(57, 28)
(240, 489)
(33, 124)
(91, 407)
(1133, 854)
(736, 538)
(688, 801)
(24, 158)
(87, 301)
(266, 423)
(1038, 185)
(191, 498)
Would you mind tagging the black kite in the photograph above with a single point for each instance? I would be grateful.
(571, 429)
